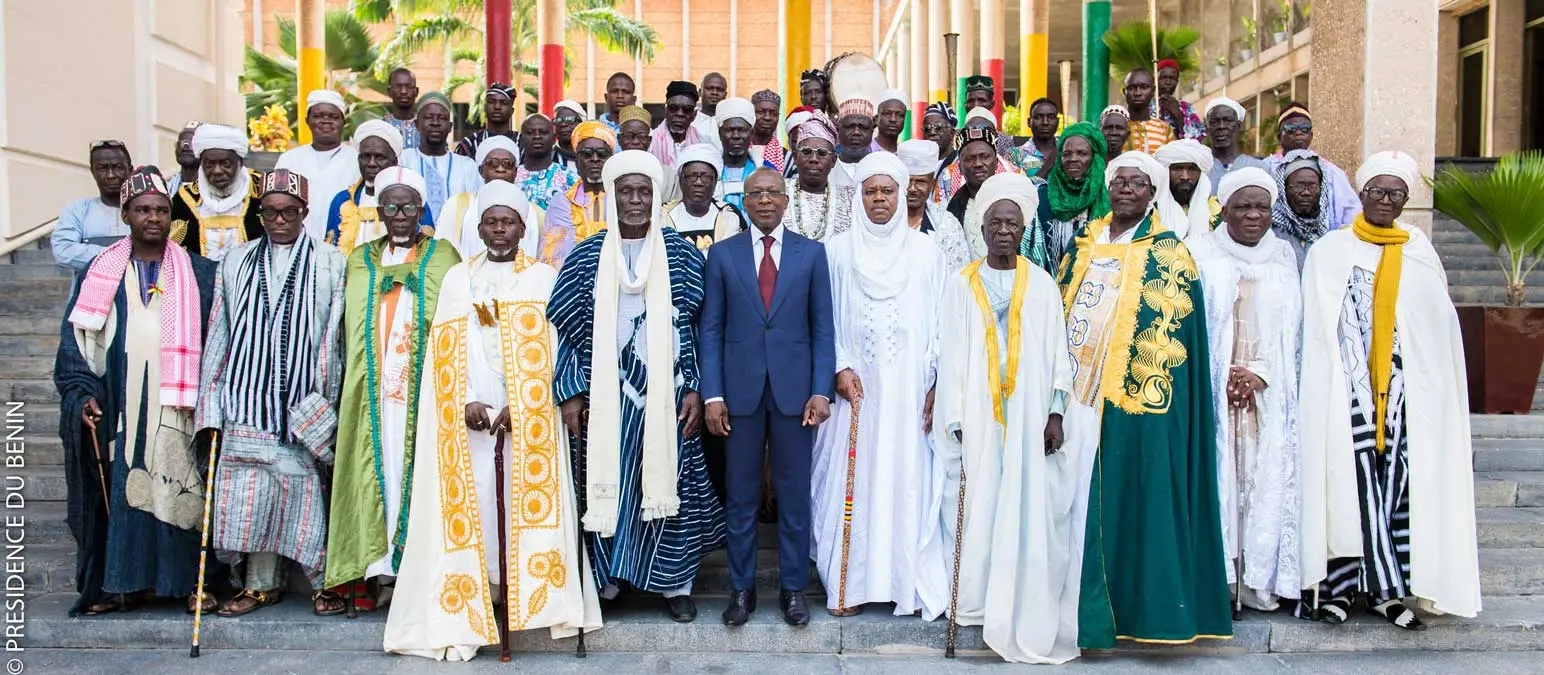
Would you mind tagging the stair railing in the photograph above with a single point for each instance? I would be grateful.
(28, 238)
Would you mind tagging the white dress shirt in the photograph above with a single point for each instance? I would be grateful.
(758, 248)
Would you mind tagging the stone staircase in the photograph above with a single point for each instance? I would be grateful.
(1509, 482)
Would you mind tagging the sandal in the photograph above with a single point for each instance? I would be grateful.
(260, 599)
(1405, 618)
(328, 602)
(1334, 612)
(211, 603)
(117, 603)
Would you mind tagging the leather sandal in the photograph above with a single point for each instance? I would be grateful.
(260, 600)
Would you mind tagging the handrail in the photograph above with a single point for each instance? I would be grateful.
(29, 237)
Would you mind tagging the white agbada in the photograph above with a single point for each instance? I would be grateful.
(443, 606)
(1444, 556)
(1016, 562)
(886, 283)
(457, 223)
(1254, 312)
(329, 172)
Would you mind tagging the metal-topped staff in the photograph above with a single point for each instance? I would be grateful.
(203, 547)
(954, 584)
(579, 522)
(852, 467)
(498, 498)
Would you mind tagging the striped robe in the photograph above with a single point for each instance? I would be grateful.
(658, 555)
(268, 488)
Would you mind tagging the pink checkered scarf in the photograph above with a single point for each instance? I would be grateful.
(180, 338)
(662, 145)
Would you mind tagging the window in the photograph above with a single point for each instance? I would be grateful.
(1535, 10)
(1473, 54)
(1473, 27)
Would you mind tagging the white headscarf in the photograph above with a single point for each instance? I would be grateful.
(497, 193)
(879, 249)
(320, 96)
(1185, 221)
(382, 130)
(1006, 186)
(1387, 163)
(401, 175)
(571, 105)
(891, 95)
(700, 152)
(1158, 175)
(492, 143)
(734, 108)
(1249, 176)
(613, 277)
(919, 155)
(1224, 101)
(502, 193)
(979, 113)
(220, 137)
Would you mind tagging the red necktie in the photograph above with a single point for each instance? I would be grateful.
(766, 276)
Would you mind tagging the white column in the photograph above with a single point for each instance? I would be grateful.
(589, 76)
(638, 63)
(916, 87)
(686, 40)
(875, 15)
(938, 64)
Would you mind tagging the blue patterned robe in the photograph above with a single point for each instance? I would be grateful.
(658, 555)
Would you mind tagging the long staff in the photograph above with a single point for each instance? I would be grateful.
(498, 498)
(954, 584)
(96, 447)
(1238, 534)
(203, 546)
(852, 467)
(579, 523)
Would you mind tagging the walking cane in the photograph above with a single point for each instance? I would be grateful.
(498, 498)
(579, 522)
(203, 547)
(1238, 533)
(96, 447)
(852, 466)
(954, 585)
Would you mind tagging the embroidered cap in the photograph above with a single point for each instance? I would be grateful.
(146, 180)
(287, 182)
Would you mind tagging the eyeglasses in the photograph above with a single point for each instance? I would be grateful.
(935, 128)
(1378, 194)
(393, 210)
(674, 107)
(822, 153)
(1135, 184)
(98, 145)
(1296, 128)
(770, 195)
(505, 164)
(290, 215)
(595, 153)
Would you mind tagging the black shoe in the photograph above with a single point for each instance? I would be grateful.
(795, 612)
(741, 605)
(681, 608)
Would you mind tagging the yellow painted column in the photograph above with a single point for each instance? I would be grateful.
(797, 56)
(1034, 54)
(938, 65)
(310, 27)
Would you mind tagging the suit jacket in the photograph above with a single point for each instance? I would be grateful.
(743, 345)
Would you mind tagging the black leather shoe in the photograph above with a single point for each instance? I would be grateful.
(681, 608)
(741, 605)
(795, 612)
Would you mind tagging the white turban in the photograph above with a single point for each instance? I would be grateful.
(379, 129)
(1224, 101)
(492, 143)
(502, 193)
(700, 152)
(319, 96)
(734, 108)
(1387, 163)
(1007, 186)
(1116, 109)
(892, 95)
(628, 162)
(1158, 175)
(401, 175)
(219, 137)
(1185, 151)
(982, 114)
(1249, 176)
(879, 249)
(795, 119)
(919, 155)
(570, 105)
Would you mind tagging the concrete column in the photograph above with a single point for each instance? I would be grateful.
(938, 65)
(734, 47)
(916, 89)
(1096, 57)
(1505, 123)
(310, 45)
(900, 78)
(992, 51)
(797, 56)
(1034, 54)
(963, 20)
(1375, 85)
(551, 17)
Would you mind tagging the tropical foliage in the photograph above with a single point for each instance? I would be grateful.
(270, 131)
(457, 27)
(1504, 208)
(1131, 47)
(351, 55)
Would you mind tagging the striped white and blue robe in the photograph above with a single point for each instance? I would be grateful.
(658, 555)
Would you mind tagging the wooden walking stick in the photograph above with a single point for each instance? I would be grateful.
(954, 584)
(96, 447)
(579, 522)
(203, 547)
(1238, 536)
(852, 466)
(498, 498)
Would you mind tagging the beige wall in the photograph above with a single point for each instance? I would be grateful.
(74, 71)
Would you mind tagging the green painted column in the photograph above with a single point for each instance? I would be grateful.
(1096, 58)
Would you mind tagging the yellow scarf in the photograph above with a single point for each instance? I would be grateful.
(1000, 386)
(1385, 292)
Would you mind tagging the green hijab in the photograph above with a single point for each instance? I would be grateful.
(1071, 197)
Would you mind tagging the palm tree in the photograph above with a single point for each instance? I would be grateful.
(351, 55)
(457, 25)
(1131, 47)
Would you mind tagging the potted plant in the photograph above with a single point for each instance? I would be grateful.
(1221, 68)
(1503, 345)
(1281, 21)
(1248, 42)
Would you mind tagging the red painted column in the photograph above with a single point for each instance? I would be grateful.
(550, 25)
(497, 45)
(992, 53)
(994, 69)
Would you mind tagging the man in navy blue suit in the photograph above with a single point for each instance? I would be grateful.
(768, 355)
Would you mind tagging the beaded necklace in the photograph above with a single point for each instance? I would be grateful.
(798, 213)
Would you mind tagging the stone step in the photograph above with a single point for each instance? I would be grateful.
(35, 392)
(1508, 454)
(1478, 295)
(50, 304)
(1510, 527)
(26, 367)
(1468, 249)
(1506, 624)
(40, 483)
(1507, 426)
(1454, 261)
(50, 568)
(33, 256)
(44, 522)
(31, 324)
(10, 272)
(1500, 489)
(53, 286)
(44, 345)
(1512, 571)
(1454, 234)
(1476, 277)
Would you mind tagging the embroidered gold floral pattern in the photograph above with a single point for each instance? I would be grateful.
(458, 491)
(533, 481)
(462, 594)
